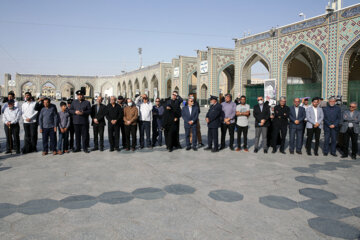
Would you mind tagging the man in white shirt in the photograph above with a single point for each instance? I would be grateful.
(242, 114)
(145, 117)
(11, 118)
(11, 95)
(29, 115)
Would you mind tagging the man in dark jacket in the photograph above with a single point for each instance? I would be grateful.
(280, 125)
(213, 119)
(71, 128)
(80, 110)
(297, 116)
(114, 115)
(262, 116)
(157, 111)
(122, 103)
(190, 114)
(175, 103)
(98, 113)
(332, 120)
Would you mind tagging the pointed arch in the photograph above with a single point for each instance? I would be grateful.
(288, 57)
(229, 71)
(67, 90)
(154, 87)
(137, 86)
(144, 86)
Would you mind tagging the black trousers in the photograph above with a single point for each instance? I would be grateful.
(244, 131)
(81, 136)
(30, 140)
(176, 133)
(87, 135)
(98, 131)
(310, 134)
(71, 136)
(274, 136)
(12, 137)
(123, 136)
(224, 128)
(169, 134)
(350, 134)
(114, 135)
(130, 130)
(213, 138)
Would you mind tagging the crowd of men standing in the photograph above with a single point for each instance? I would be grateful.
(124, 117)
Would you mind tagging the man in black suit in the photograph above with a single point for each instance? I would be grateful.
(175, 102)
(213, 119)
(80, 110)
(280, 125)
(114, 115)
(98, 113)
(296, 127)
(262, 117)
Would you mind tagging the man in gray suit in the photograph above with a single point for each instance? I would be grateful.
(350, 127)
(314, 116)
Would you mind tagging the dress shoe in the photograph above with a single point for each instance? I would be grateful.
(232, 148)
(246, 150)
(353, 157)
(292, 152)
(170, 150)
(299, 152)
(273, 151)
(66, 151)
(344, 156)
(86, 151)
(208, 149)
(256, 150)
(316, 154)
(188, 148)
(76, 150)
(334, 155)
(194, 148)
(44, 153)
(95, 149)
(117, 149)
(325, 154)
(54, 153)
(59, 153)
(215, 150)
(111, 150)
(238, 149)
(101, 149)
(8, 152)
(308, 153)
(265, 151)
(201, 145)
(133, 149)
(221, 148)
(283, 152)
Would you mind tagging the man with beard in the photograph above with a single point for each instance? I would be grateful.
(81, 109)
(175, 103)
(114, 114)
(98, 113)
(29, 115)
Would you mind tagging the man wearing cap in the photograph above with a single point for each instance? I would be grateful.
(11, 117)
(175, 102)
(98, 113)
(228, 121)
(213, 119)
(29, 115)
(80, 109)
(121, 101)
(11, 96)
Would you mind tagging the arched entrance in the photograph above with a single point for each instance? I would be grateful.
(168, 88)
(176, 89)
(227, 79)
(28, 87)
(351, 77)
(254, 71)
(107, 90)
(145, 86)
(118, 91)
(302, 74)
(130, 89)
(193, 83)
(48, 90)
(203, 95)
(124, 92)
(137, 86)
(67, 91)
(154, 88)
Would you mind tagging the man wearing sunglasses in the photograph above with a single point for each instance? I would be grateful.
(350, 127)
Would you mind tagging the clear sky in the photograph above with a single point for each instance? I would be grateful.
(93, 37)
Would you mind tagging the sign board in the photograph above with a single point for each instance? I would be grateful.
(176, 72)
(203, 66)
(270, 91)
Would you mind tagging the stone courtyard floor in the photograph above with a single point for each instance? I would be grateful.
(154, 194)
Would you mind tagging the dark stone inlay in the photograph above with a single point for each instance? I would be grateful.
(226, 196)
(311, 180)
(149, 193)
(179, 189)
(317, 194)
(334, 228)
(305, 170)
(323, 167)
(4, 168)
(339, 164)
(77, 202)
(7, 209)
(278, 202)
(356, 212)
(115, 197)
(38, 206)
(325, 209)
